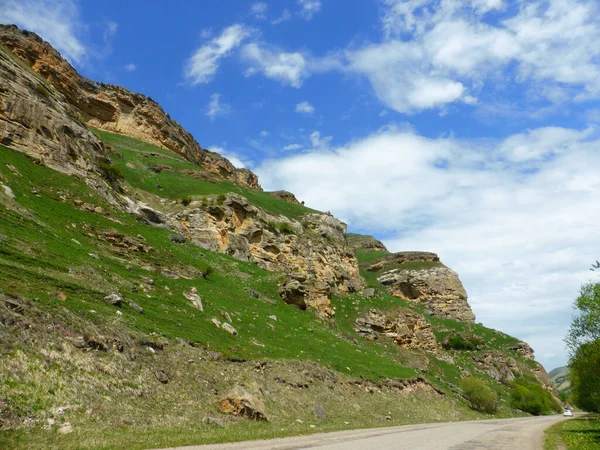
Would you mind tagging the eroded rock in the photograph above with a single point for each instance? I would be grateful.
(407, 329)
(438, 288)
(240, 402)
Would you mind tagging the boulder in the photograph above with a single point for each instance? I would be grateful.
(193, 296)
(437, 288)
(114, 299)
(241, 403)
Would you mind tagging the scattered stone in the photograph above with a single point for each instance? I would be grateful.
(60, 295)
(93, 256)
(114, 299)
(155, 169)
(320, 412)
(240, 402)
(65, 429)
(214, 421)
(227, 327)
(192, 296)
(161, 376)
(299, 420)
(137, 307)
(14, 170)
(79, 342)
(273, 318)
(147, 280)
(8, 191)
(368, 293)
(253, 293)
(216, 321)
(178, 239)
(227, 316)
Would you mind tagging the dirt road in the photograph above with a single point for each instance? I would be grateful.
(497, 434)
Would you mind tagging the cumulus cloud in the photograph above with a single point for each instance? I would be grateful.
(203, 64)
(259, 10)
(305, 108)
(292, 147)
(514, 217)
(216, 108)
(57, 21)
(309, 8)
(130, 67)
(288, 68)
(434, 52)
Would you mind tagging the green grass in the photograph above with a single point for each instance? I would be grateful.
(581, 433)
(175, 184)
(37, 256)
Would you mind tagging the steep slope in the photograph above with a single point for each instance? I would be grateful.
(560, 379)
(114, 108)
(139, 292)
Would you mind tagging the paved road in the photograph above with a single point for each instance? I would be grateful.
(498, 434)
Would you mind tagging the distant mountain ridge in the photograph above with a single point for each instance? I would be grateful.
(560, 378)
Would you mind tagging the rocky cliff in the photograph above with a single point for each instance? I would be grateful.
(311, 251)
(116, 109)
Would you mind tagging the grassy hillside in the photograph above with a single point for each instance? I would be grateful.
(69, 356)
(560, 379)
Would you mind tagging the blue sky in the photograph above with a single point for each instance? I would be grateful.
(468, 128)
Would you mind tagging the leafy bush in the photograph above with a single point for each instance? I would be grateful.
(109, 172)
(462, 341)
(281, 227)
(481, 397)
(185, 201)
(207, 271)
(529, 396)
(221, 199)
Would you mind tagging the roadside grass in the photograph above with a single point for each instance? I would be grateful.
(580, 433)
(173, 183)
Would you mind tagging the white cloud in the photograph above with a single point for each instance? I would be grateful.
(216, 108)
(284, 17)
(57, 21)
(318, 142)
(305, 108)
(264, 133)
(309, 8)
(289, 68)
(130, 67)
(435, 53)
(232, 157)
(292, 147)
(203, 64)
(259, 10)
(514, 217)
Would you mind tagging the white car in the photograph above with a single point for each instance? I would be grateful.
(568, 413)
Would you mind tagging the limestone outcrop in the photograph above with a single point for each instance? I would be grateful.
(113, 108)
(312, 251)
(35, 119)
(409, 330)
(365, 242)
(438, 288)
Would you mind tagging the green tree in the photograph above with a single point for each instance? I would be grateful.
(481, 397)
(583, 341)
(585, 376)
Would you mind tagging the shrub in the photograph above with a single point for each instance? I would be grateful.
(221, 199)
(462, 341)
(529, 396)
(281, 227)
(481, 397)
(185, 201)
(109, 172)
(207, 271)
